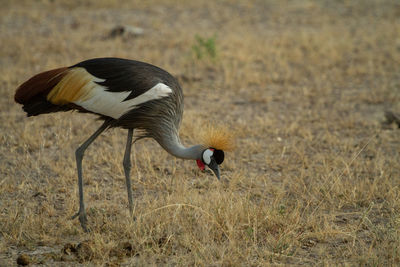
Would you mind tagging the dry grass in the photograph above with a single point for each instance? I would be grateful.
(314, 179)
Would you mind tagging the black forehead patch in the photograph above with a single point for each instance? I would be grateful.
(219, 156)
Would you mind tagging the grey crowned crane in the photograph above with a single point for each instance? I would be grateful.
(124, 93)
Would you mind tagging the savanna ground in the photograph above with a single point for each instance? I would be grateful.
(315, 176)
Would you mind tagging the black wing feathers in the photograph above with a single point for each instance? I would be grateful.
(126, 75)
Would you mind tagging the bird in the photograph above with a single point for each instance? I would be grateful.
(124, 93)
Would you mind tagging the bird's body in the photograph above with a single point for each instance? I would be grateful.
(124, 93)
(120, 90)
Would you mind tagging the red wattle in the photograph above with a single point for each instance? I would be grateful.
(201, 165)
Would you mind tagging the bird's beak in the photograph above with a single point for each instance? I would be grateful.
(215, 168)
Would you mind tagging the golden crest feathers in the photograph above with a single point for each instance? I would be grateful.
(220, 138)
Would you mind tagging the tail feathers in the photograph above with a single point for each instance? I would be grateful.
(39, 85)
(32, 93)
(39, 105)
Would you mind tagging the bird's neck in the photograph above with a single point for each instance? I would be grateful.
(175, 148)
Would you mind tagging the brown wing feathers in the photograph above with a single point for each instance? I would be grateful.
(32, 93)
(40, 84)
(54, 90)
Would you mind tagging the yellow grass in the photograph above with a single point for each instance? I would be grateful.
(314, 178)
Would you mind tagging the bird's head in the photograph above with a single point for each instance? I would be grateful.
(212, 158)
(215, 142)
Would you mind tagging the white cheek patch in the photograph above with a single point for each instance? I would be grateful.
(207, 156)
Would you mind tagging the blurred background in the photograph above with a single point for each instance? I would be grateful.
(303, 84)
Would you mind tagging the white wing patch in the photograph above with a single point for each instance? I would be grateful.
(112, 104)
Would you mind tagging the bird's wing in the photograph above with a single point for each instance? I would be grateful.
(123, 75)
(112, 86)
(106, 86)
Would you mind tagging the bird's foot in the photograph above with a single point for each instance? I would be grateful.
(132, 215)
(82, 219)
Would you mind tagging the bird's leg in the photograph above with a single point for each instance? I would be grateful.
(127, 169)
(79, 156)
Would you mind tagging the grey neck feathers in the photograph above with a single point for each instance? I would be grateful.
(175, 148)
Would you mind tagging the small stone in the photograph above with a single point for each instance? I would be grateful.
(126, 31)
(392, 117)
(23, 259)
